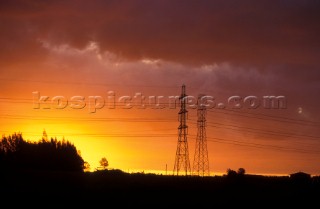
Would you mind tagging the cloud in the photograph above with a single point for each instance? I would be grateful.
(243, 47)
(104, 66)
(91, 65)
(201, 32)
(217, 47)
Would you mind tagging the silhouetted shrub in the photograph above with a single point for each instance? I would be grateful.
(241, 171)
(231, 173)
(300, 177)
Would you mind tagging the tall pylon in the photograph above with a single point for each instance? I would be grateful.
(182, 154)
(201, 160)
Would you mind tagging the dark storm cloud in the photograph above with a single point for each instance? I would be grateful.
(197, 32)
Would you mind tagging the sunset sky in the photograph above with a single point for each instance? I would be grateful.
(110, 50)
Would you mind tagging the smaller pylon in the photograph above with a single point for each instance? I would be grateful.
(201, 160)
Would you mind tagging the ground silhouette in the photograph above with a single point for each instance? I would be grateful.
(26, 180)
(146, 190)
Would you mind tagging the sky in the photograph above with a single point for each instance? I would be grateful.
(80, 69)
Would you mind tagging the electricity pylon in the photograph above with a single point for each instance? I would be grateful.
(201, 161)
(182, 154)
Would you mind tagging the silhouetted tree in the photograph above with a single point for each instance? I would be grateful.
(17, 154)
(241, 171)
(231, 173)
(86, 166)
(300, 177)
(104, 163)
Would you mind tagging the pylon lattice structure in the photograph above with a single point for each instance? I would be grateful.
(201, 160)
(182, 162)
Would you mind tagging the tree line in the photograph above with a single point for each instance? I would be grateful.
(46, 154)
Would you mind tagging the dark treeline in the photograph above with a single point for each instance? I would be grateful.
(50, 155)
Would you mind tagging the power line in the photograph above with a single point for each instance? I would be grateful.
(262, 146)
(274, 118)
(255, 130)
(88, 119)
(211, 124)
(258, 131)
(83, 83)
(261, 116)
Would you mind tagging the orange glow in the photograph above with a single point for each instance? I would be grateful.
(121, 50)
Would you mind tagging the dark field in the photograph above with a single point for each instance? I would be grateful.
(114, 187)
